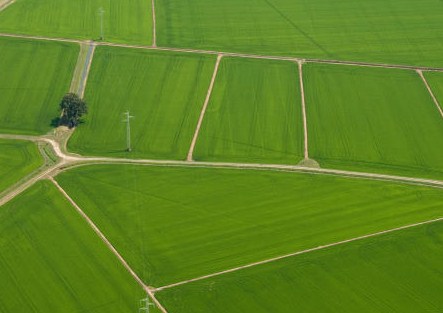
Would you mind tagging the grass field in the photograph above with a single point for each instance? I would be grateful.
(123, 21)
(435, 80)
(254, 114)
(164, 91)
(373, 120)
(17, 159)
(400, 272)
(392, 31)
(51, 261)
(177, 223)
(34, 77)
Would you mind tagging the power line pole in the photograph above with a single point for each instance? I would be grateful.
(145, 305)
(101, 12)
(127, 120)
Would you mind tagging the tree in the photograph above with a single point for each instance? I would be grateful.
(73, 108)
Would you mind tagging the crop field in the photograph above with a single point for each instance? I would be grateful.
(123, 21)
(435, 80)
(34, 77)
(392, 31)
(54, 262)
(17, 159)
(373, 119)
(399, 272)
(164, 91)
(254, 114)
(168, 226)
(234, 156)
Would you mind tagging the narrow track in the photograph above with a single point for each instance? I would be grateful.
(298, 253)
(5, 3)
(203, 111)
(439, 108)
(303, 106)
(234, 54)
(109, 245)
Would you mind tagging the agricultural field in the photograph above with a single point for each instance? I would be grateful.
(221, 156)
(34, 77)
(435, 80)
(51, 260)
(387, 31)
(398, 272)
(123, 21)
(164, 91)
(368, 119)
(254, 114)
(17, 159)
(173, 224)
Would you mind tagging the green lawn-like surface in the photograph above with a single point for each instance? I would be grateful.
(163, 91)
(435, 80)
(173, 224)
(399, 272)
(52, 261)
(373, 120)
(389, 31)
(17, 159)
(34, 77)
(123, 21)
(254, 114)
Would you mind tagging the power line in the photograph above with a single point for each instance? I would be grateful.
(101, 12)
(127, 120)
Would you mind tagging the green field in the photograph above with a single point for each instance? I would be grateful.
(123, 21)
(164, 91)
(400, 272)
(435, 80)
(17, 159)
(34, 77)
(52, 261)
(373, 120)
(177, 223)
(389, 31)
(254, 114)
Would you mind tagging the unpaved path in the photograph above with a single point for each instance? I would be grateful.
(203, 111)
(109, 245)
(233, 54)
(303, 105)
(5, 3)
(437, 104)
(299, 253)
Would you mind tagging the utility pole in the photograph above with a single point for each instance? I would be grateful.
(101, 12)
(145, 305)
(127, 120)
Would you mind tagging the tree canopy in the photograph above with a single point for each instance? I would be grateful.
(73, 108)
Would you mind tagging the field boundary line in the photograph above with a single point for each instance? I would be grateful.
(108, 244)
(189, 158)
(303, 106)
(338, 243)
(5, 4)
(154, 25)
(428, 87)
(236, 54)
(72, 159)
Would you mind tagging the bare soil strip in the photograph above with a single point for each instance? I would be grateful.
(299, 253)
(86, 69)
(109, 245)
(154, 25)
(76, 77)
(5, 3)
(239, 55)
(439, 108)
(303, 104)
(203, 111)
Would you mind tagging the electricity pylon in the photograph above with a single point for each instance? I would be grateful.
(127, 120)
